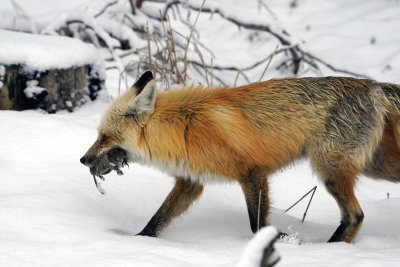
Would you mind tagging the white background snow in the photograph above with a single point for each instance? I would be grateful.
(52, 214)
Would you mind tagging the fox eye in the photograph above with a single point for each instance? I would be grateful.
(104, 138)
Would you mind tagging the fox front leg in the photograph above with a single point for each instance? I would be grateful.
(255, 188)
(184, 193)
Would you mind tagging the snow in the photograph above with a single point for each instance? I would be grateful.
(254, 251)
(32, 89)
(122, 32)
(87, 20)
(347, 28)
(42, 52)
(53, 215)
(2, 75)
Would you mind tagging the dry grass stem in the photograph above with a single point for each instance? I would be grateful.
(167, 42)
(259, 211)
(212, 73)
(148, 44)
(236, 78)
(185, 60)
(269, 62)
(156, 65)
(179, 77)
(202, 61)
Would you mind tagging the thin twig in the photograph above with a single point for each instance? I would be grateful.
(334, 68)
(167, 80)
(133, 9)
(259, 211)
(309, 202)
(267, 8)
(220, 69)
(148, 43)
(202, 61)
(173, 49)
(314, 188)
(236, 78)
(119, 84)
(233, 19)
(185, 60)
(269, 62)
(156, 65)
(169, 49)
(179, 77)
(134, 25)
(197, 42)
(212, 73)
(105, 8)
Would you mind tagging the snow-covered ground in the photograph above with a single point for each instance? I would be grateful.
(53, 215)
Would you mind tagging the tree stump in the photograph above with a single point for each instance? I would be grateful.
(50, 90)
(52, 78)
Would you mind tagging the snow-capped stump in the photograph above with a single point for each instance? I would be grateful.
(50, 72)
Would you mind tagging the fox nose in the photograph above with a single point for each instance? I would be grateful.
(87, 160)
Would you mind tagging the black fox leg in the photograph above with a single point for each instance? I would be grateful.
(178, 201)
(341, 187)
(255, 189)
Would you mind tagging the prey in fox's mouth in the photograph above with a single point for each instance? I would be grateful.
(112, 160)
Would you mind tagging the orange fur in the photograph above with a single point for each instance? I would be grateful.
(219, 139)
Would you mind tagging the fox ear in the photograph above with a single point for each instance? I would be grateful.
(142, 82)
(143, 102)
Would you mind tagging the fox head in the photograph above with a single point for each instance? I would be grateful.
(122, 126)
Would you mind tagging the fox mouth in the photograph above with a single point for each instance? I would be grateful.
(112, 160)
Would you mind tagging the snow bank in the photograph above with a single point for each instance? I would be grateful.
(255, 249)
(53, 215)
(42, 52)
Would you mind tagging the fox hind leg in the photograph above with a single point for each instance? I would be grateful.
(340, 184)
(255, 188)
(182, 195)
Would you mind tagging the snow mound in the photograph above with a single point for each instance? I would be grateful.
(44, 52)
(260, 245)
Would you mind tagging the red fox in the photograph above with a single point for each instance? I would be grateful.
(345, 126)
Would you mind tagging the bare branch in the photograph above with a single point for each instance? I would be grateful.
(336, 69)
(101, 12)
(133, 9)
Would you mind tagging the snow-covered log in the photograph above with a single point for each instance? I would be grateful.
(50, 72)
